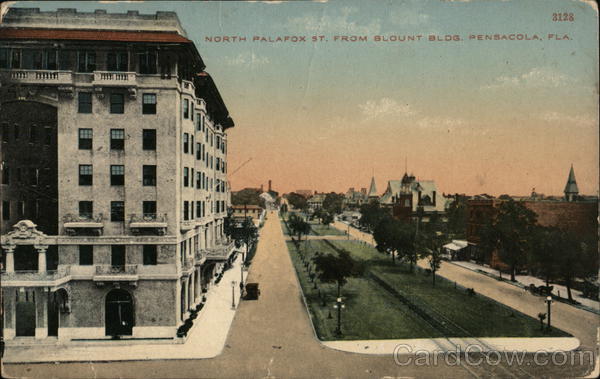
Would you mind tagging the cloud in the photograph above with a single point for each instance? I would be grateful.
(248, 60)
(537, 77)
(562, 118)
(373, 109)
(440, 123)
(339, 23)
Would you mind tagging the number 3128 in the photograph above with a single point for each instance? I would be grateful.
(563, 17)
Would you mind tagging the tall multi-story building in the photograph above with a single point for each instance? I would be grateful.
(114, 175)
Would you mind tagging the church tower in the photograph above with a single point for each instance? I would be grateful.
(571, 190)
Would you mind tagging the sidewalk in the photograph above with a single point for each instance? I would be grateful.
(526, 280)
(206, 339)
(432, 345)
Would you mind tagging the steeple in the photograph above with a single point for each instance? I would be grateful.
(372, 188)
(571, 190)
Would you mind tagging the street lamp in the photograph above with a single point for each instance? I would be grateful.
(339, 305)
(233, 283)
(549, 302)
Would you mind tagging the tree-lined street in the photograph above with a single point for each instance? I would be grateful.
(273, 337)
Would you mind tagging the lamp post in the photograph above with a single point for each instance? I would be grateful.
(233, 283)
(339, 305)
(549, 302)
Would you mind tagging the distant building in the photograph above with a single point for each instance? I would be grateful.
(316, 201)
(354, 199)
(241, 212)
(372, 195)
(304, 192)
(404, 197)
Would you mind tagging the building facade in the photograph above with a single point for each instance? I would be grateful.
(114, 175)
(407, 196)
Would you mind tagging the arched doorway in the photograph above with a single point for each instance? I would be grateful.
(119, 313)
(58, 303)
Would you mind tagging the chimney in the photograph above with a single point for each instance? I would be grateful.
(261, 188)
(269, 185)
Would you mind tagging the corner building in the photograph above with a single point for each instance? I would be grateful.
(114, 175)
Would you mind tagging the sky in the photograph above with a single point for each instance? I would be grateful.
(476, 116)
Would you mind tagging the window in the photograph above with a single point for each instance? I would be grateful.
(186, 176)
(117, 256)
(149, 210)
(117, 211)
(149, 252)
(186, 210)
(32, 134)
(192, 145)
(198, 180)
(6, 210)
(186, 143)
(147, 62)
(192, 113)
(86, 61)
(117, 103)
(149, 103)
(85, 139)
(149, 139)
(186, 108)
(117, 175)
(117, 139)
(86, 209)
(149, 175)
(198, 209)
(48, 136)
(198, 151)
(32, 59)
(191, 210)
(5, 174)
(85, 102)
(34, 175)
(85, 175)
(4, 58)
(21, 208)
(86, 255)
(199, 122)
(116, 61)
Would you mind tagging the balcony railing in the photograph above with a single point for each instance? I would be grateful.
(155, 223)
(38, 76)
(116, 270)
(86, 224)
(114, 78)
(187, 225)
(220, 252)
(35, 276)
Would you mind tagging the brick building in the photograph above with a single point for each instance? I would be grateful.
(114, 161)
(574, 213)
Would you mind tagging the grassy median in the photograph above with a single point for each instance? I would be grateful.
(389, 302)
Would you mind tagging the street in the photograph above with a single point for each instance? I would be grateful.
(273, 336)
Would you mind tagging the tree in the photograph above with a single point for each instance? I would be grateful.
(298, 226)
(333, 203)
(326, 219)
(570, 264)
(430, 246)
(386, 236)
(337, 268)
(372, 214)
(511, 234)
(545, 252)
(297, 201)
(247, 196)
